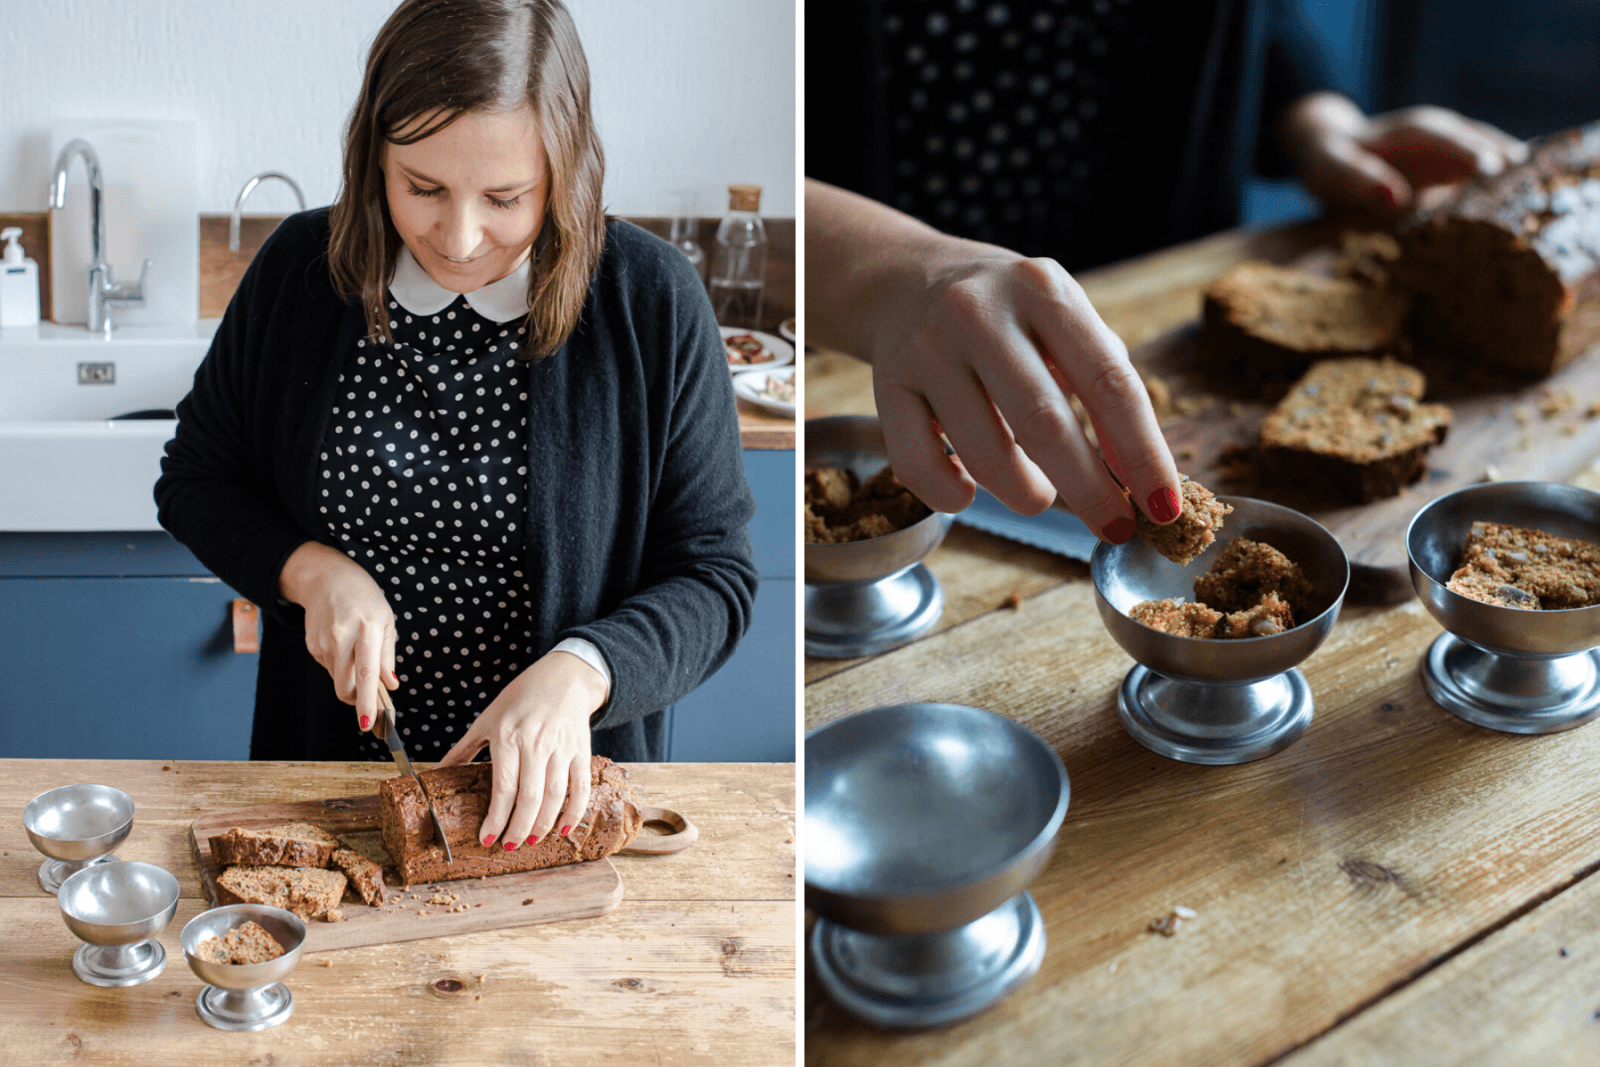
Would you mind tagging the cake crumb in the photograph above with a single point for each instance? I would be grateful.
(1522, 416)
(1167, 925)
(324, 962)
(1553, 401)
(1491, 473)
(1234, 409)
(1014, 601)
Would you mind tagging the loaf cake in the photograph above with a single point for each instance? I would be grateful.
(838, 511)
(309, 892)
(461, 798)
(1354, 426)
(292, 845)
(1199, 517)
(1275, 321)
(1520, 568)
(249, 943)
(1506, 271)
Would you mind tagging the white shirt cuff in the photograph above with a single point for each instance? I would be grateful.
(586, 651)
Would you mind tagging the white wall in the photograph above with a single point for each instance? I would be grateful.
(687, 93)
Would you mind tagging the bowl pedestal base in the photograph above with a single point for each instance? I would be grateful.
(1512, 694)
(845, 620)
(245, 1009)
(1214, 723)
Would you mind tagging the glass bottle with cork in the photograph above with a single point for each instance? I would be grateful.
(739, 260)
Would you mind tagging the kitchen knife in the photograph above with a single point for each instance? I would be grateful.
(384, 730)
(1054, 529)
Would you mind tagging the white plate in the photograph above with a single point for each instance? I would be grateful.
(749, 385)
(777, 345)
(786, 333)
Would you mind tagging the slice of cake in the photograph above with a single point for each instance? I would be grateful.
(249, 943)
(1506, 272)
(1272, 320)
(1522, 568)
(365, 876)
(295, 844)
(1354, 426)
(1185, 537)
(309, 892)
(1246, 573)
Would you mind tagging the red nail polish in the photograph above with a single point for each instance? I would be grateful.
(1385, 194)
(365, 722)
(511, 846)
(488, 840)
(565, 830)
(1118, 531)
(533, 839)
(1164, 505)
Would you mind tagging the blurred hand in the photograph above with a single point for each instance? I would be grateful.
(349, 626)
(537, 733)
(1383, 162)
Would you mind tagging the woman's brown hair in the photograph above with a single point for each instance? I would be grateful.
(433, 61)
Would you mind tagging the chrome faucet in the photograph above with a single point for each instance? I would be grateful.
(250, 187)
(102, 290)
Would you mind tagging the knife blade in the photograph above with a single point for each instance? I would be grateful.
(1053, 529)
(384, 729)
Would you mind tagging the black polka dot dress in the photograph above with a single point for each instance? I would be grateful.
(423, 481)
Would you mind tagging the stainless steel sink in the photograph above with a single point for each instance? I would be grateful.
(71, 458)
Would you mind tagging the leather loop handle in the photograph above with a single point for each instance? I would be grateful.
(246, 626)
(684, 833)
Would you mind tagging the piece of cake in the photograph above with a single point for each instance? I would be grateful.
(1184, 538)
(292, 845)
(1354, 426)
(461, 797)
(365, 876)
(1270, 616)
(1178, 617)
(1506, 271)
(1246, 573)
(838, 511)
(249, 943)
(1271, 320)
(309, 892)
(1523, 568)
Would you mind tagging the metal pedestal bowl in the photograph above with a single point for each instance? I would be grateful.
(77, 826)
(867, 597)
(244, 996)
(1509, 669)
(117, 909)
(1211, 701)
(925, 824)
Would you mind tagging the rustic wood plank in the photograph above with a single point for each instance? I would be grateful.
(673, 984)
(1529, 993)
(1323, 876)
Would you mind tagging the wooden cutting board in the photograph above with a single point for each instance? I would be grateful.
(1498, 423)
(575, 891)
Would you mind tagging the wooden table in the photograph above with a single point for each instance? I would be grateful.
(1397, 887)
(695, 967)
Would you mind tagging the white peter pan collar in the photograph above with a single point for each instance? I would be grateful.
(419, 294)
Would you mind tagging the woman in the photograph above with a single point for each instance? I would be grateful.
(462, 436)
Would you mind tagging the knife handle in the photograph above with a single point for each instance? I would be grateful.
(684, 833)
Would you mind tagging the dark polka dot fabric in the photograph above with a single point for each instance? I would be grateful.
(423, 481)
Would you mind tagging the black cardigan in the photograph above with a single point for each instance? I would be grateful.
(637, 500)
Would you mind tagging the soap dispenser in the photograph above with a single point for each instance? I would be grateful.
(19, 283)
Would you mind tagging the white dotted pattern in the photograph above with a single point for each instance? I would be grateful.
(423, 481)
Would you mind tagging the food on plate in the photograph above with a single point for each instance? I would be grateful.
(837, 510)
(291, 845)
(309, 892)
(1366, 256)
(788, 325)
(248, 943)
(1199, 517)
(1506, 271)
(1515, 567)
(1355, 426)
(1246, 572)
(365, 875)
(745, 349)
(461, 797)
(1251, 590)
(1274, 321)
(778, 388)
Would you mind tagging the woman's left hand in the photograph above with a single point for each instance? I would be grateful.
(537, 733)
(1383, 162)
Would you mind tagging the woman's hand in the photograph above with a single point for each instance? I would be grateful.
(537, 733)
(985, 345)
(349, 626)
(1384, 162)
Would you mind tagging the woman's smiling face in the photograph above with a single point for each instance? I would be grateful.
(468, 200)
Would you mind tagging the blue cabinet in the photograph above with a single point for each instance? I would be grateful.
(120, 645)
